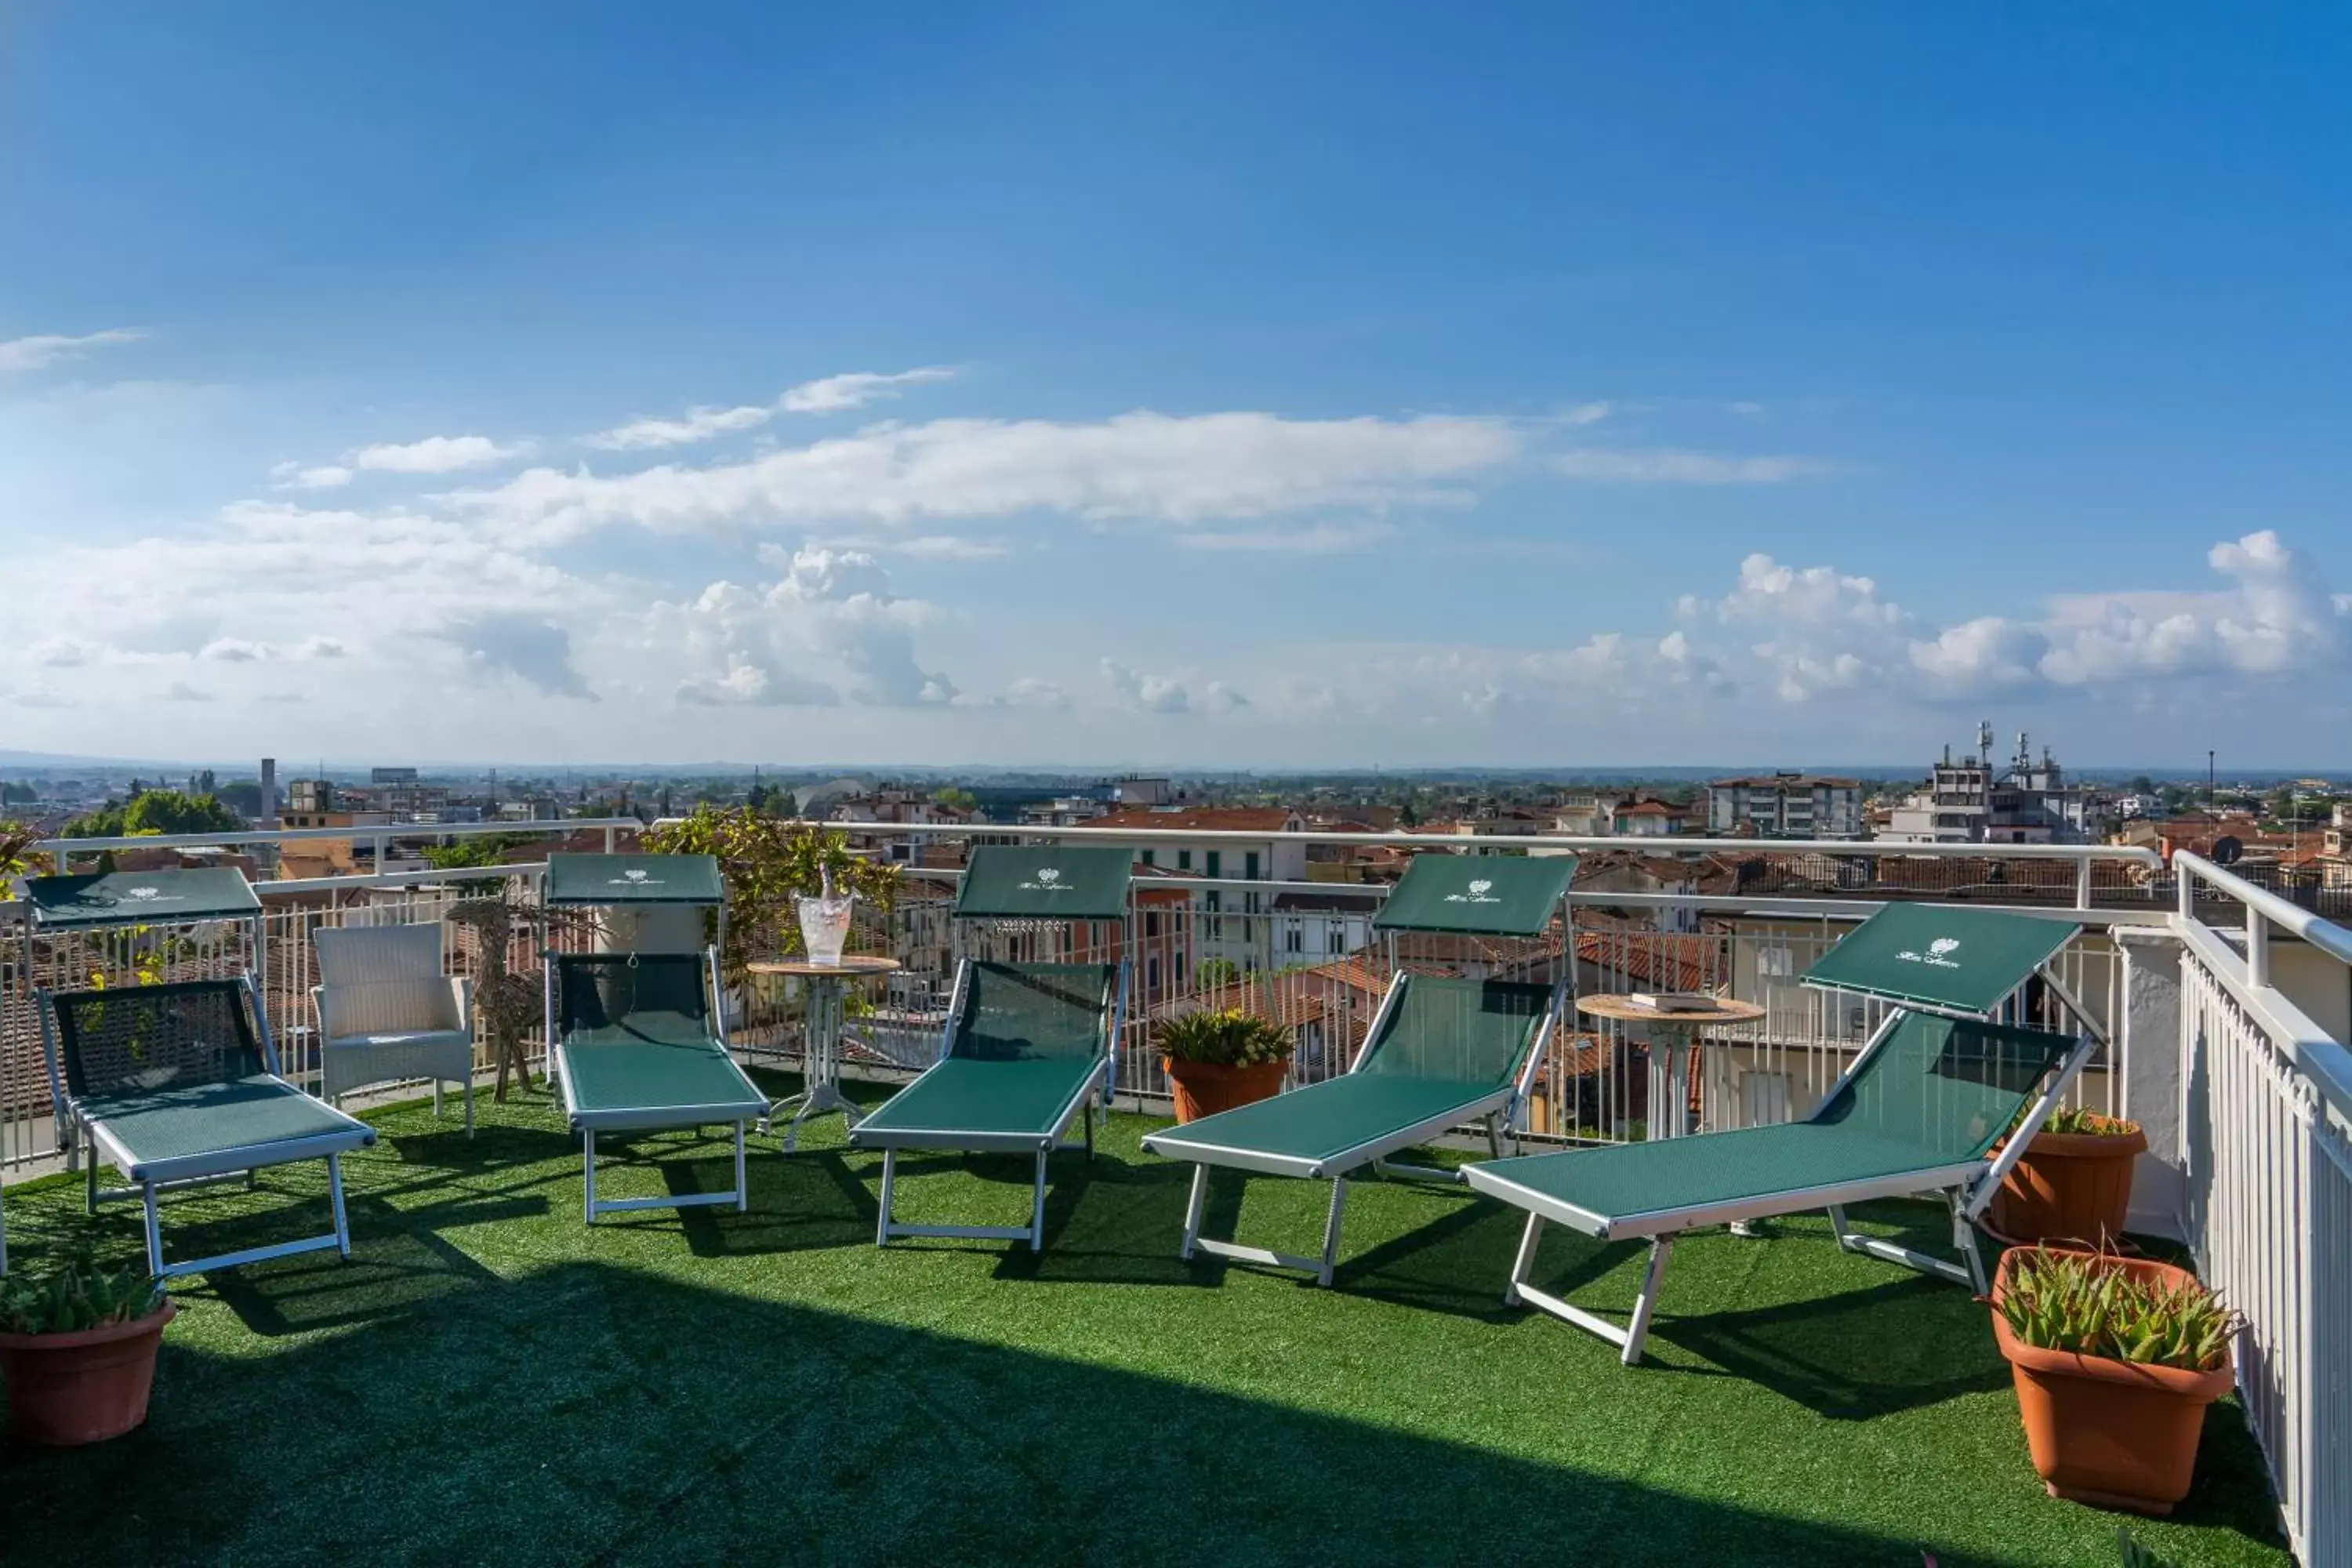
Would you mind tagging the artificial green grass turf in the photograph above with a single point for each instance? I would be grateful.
(489, 1380)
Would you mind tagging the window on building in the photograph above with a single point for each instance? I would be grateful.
(1149, 854)
(1216, 863)
(1183, 859)
(1249, 866)
(1294, 938)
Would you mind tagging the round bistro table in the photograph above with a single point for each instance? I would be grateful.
(821, 1057)
(1674, 1035)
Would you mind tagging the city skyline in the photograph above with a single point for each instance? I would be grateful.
(1357, 396)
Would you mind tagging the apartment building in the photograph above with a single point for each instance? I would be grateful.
(1785, 805)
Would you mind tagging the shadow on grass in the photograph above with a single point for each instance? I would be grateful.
(588, 1415)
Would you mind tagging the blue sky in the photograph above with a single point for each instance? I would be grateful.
(1097, 385)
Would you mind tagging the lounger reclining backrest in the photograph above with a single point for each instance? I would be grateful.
(138, 1039)
(660, 996)
(1472, 1031)
(1948, 1086)
(1015, 1012)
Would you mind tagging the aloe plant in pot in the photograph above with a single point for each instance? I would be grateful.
(2114, 1360)
(77, 1351)
(1221, 1057)
(2072, 1182)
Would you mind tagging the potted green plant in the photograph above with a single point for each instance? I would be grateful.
(1221, 1058)
(769, 865)
(2072, 1182)
(2114, 1360)
(77, 1351)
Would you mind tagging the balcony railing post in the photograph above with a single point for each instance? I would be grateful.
(2258, 950)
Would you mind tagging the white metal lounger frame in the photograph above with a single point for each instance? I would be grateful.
(1095, 1089)
(647, 1119)
(1968, 1187)
(210, 1168)
(1500, 1110)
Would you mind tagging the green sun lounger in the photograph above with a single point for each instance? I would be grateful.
(638, 1043)
(1918, 1112)
(175, 1086)
(1027, 1047)
(1442, 1053)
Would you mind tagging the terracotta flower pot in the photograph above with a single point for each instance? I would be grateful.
(1203, 1089)
(2069, 1186)
(2113, 1434)
(65, 1390)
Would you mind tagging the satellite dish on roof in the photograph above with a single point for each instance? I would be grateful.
(2227, 850)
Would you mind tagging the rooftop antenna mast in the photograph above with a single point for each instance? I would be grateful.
(1984, 743)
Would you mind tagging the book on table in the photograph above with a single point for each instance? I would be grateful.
(1673, 1001)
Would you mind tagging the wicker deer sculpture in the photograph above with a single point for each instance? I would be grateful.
(508, 1004)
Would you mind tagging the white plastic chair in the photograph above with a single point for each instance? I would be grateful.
(386, 1013)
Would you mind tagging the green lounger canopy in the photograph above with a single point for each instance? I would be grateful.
(1943, 958)
(1478, 895)
(1045, 881)
(141, 898)
(634, 879)
(175, 1084)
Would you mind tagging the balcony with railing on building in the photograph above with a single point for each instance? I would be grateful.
(2225, 1012)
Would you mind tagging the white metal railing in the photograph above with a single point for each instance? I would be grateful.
(2266, 1122)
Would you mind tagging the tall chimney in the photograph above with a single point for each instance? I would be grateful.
(269, 792)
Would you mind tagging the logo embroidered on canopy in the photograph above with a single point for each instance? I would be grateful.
(634, 878)
(1047, 881)
(1938, 953)
(1479, 893)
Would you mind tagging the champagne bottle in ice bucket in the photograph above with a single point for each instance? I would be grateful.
(825, 921)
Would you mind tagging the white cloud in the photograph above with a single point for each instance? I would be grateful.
(321, 647)
(536, 651)
(947, 547)
(1819, 630)
(181, 691)
(1134, 467)
(835, 393)
(1666, 467)
(60, 653)
(1321, 539)
(295, 477)
(832, 394)
(1168, 694)
(436, 455)
(695, 424)
(41, 351)
(232, 650)
(830, 607)
(1031, 692)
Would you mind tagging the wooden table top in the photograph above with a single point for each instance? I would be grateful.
(1624, 1009)
(851, 966)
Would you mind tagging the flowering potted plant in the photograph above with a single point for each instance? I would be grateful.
(2072, 1182)
(78, 1350)
(2114, 1360)
(1220, 1058)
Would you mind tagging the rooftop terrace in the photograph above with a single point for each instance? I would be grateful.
(489, 1380)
